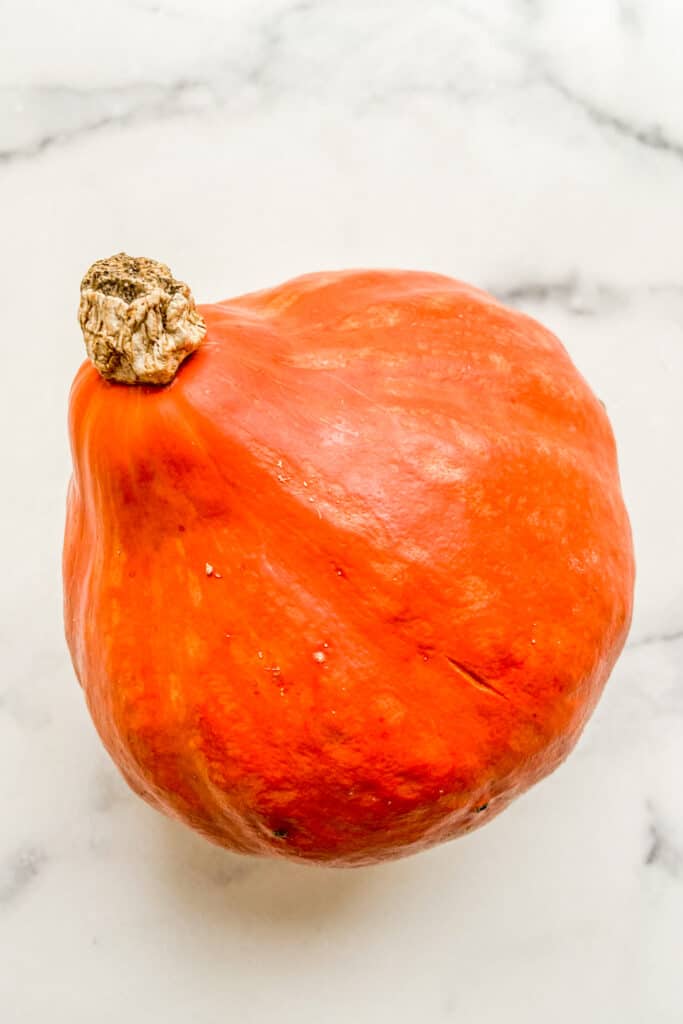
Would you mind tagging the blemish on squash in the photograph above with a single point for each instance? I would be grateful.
(474, 678)
(425, 651)
(392, 711)
(443, 469)
(377, 316)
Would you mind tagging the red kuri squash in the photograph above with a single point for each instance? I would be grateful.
(352, 576)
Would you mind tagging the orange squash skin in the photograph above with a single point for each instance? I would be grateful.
(356, 578)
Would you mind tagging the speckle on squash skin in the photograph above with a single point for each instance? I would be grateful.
(443, 613)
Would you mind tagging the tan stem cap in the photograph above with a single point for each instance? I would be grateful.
(138, 322)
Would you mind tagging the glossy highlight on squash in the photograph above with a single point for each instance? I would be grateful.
(356, 577)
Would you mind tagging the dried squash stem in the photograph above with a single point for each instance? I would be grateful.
(138, 321)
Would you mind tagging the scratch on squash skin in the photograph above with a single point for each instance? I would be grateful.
(474, 678)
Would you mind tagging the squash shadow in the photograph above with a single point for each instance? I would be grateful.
(216, 886)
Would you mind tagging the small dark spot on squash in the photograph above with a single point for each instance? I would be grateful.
(181, 528)
(482, 808)
(425, 651)
(280, 833)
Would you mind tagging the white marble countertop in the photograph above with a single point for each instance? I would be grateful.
(534, 148)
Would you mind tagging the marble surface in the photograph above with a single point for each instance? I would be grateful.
(534, 148)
